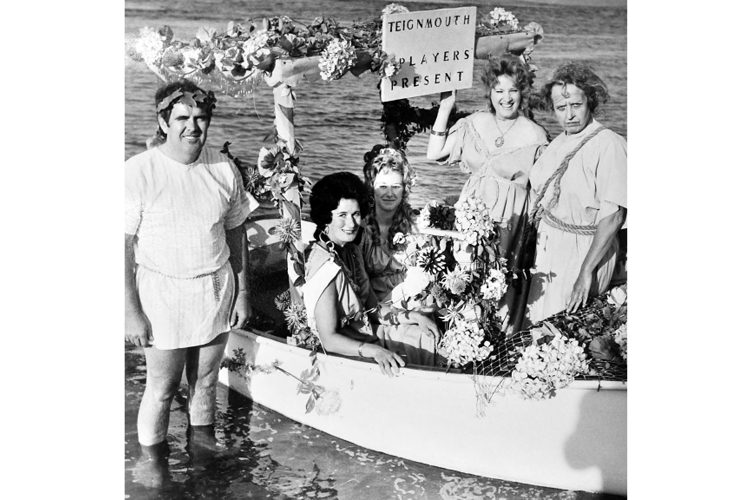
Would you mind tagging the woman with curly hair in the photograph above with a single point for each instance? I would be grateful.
(389, 179)
(497, 148)
(579, 188)
(341, 306)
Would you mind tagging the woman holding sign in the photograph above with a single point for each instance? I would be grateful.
(497, 148)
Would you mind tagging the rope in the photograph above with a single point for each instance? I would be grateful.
(553, 221)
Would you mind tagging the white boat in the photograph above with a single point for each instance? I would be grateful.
(576, 440)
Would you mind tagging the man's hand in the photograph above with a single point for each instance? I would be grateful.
(138, 329)
(242, 311)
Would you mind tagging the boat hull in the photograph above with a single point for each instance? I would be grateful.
(576, 440)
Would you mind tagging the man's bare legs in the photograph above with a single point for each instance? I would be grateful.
(202, 371)
(164, 368)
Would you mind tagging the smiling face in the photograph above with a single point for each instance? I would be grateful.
(345, 222)
(571, 108)
(505, 97)
(388, 190)
(186, 132)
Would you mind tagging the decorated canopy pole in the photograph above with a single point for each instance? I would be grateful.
(288, 182)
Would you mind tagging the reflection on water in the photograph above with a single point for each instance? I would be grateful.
(261, 454)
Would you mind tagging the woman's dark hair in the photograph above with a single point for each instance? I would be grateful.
(185, 86)
(581, 76)
(386, 159)
(327, 193)
(512, 67)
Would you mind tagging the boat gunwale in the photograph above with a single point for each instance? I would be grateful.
(451, 375)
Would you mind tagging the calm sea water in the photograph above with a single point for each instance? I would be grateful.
(339, 121)
(267, 455)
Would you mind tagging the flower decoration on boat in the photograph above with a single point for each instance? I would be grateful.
(338, 57)
(147, 47)
(465, 342)
(328, 402)
(495, 286)
(432, 260)
(464, 279)
(246, 52)
(288, 230)
(390, 67)
(499, 16)
(416, 281)
(543, 368)
(394, 8)
(473, 220)
(237, 364)
(436, 215)
(276, 171)
(296, 319)
(620, 336)
(456, 280)
(588, 344)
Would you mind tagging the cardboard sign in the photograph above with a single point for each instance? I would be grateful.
(436, 49)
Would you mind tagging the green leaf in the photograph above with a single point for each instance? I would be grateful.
(298, 269)
(310, 404)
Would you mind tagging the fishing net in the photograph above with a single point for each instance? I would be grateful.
(599, 330)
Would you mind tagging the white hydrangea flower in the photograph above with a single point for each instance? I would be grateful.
(617, 296)
(394, 8)
(544, 369)
(473, 219)
(464, 342)
(338, 57)
(258, 40)
(501, 16)
(149, 46)
(495, 285)
(424, 219)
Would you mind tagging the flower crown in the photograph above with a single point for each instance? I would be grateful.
(197, 98)
(388, 157)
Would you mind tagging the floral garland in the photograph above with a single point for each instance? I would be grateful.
(338, 57)
(241, 56)
(326, 402)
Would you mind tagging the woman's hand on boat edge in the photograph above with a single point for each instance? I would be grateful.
(388, 361)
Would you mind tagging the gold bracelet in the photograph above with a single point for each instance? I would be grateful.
(436, 132)
(360, 349)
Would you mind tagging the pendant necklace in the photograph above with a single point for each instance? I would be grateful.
(500, 140)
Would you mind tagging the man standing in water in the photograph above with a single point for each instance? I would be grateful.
(579, 188)
(185, 263)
